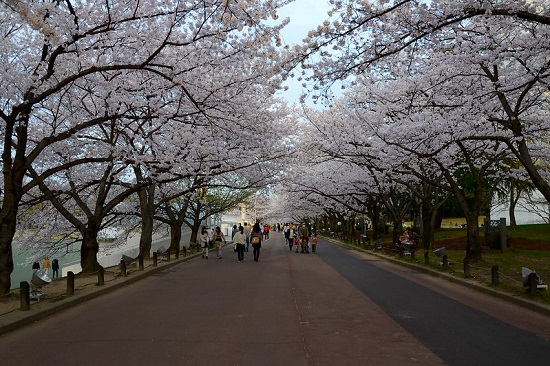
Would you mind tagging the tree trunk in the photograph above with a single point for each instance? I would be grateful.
(473, 245)
(429, 214)
(524, 156)
(194, 234)
(88, 251)
(195, 228)
(375, 218)
(13, 171)
(512, 206)
(397, 229)
(6, 255)
(147, 206)
(146, 237)
(175, 236)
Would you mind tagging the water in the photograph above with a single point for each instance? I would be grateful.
(69, 260)
(524, 213)
(23, 271)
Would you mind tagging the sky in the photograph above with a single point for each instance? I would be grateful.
(304, 15)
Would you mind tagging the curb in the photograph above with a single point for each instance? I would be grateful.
(531, 305)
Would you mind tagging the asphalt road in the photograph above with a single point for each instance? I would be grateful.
(460, 326)
(336, 307)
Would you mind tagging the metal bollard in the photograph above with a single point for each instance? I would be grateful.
(24, 296)
(70, 283)
(494, 275)
(101, 276)
(533, 282)
(123, 268)
(445, 261)
(155, 259)
(466, 267)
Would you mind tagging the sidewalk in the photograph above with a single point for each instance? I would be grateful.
(85, 288)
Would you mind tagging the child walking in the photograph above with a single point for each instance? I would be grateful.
(314, 242)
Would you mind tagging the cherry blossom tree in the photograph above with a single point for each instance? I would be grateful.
(54, 53)
(407, 140)
(461, 84)
(502, 44)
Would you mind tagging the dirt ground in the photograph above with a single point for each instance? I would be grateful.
(57, 289)
(517, 243)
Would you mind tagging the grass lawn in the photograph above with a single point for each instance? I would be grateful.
(529, 247)
(509, 265)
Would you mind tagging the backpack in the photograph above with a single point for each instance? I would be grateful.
(255, 238)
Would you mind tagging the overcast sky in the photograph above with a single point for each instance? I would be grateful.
(304, 15)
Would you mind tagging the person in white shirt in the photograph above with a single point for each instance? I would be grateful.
(204, 238)
(246, 232)
(240, 240)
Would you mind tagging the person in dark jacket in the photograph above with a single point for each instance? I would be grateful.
(256, 240)
(55, 268)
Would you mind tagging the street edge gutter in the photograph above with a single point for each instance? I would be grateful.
(539, 308)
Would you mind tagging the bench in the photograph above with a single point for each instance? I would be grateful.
(379, 244)
(162, 254)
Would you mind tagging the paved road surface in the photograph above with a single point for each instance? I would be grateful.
(337, 307)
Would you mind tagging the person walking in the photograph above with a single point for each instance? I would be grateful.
(55, 268)
(46, 265)
(239, 239)
(289, 235)
(219, 239)
(256, 240)
(204, 238)
(314, 241)
(234, 231)
(304, 238)
(247, 234)
(266, 231)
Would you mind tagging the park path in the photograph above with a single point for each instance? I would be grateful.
(336, 307)
(286, 309)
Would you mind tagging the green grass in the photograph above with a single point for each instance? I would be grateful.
(531, 232)
(509, 265)
(509, 262)
(441, 234)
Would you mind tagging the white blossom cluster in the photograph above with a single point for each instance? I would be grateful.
(451, 95)
(102, 100)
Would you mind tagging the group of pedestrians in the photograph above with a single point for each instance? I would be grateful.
(46, 265)
(242, 236)
(217, 239)
(300, 237)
